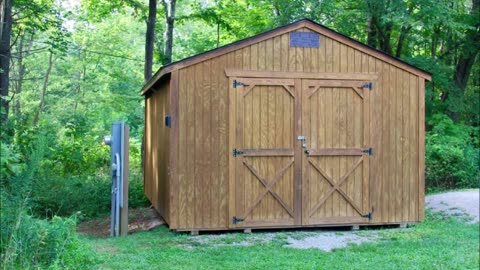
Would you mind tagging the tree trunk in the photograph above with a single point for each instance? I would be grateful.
(401, 40)
(5, 52)
(44, 90)
(372, 37)
(169, 6)
(384, 34)
(468, 53)
(150, 39)
(21, 50)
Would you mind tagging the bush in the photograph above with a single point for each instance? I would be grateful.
(452, 158)
(28, 242)
(90, 196)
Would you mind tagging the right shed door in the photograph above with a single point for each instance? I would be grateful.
(335, 127)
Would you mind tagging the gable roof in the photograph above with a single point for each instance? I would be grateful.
(167, 69)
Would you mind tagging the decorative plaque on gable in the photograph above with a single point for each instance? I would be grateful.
(304, 39)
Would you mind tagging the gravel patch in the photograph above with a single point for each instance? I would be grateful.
(456, 203)
(329, 241)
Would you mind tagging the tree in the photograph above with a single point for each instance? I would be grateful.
(169, 12)
(5, 54)
(469, 49)
(150, 39)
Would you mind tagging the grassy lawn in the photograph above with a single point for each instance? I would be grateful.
(437, 243)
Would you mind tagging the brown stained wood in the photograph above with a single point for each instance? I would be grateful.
(265, 152)
(232, 162)
(297, 205)
(300, 75)
(421, 149)
(280, 102)
(399, 205)
(336, 162)
(223, 148)
(182, 150)
(374, 162)
(336, 186)
(215, 154)
(190, 150)
(307, 26)
(338, 220)
(385, 146)
(198, 148)
(174, 142)
(279, 222)
(208, 144)
(413, 128)
(336, 152)
(405, 139)
(268, 188)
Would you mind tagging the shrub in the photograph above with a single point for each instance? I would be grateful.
(28, 242)
(452, 158)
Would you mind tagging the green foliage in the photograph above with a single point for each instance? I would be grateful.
(452, 155)
(27, 242)
(10, 162)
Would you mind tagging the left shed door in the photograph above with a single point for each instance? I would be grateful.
(263, 126)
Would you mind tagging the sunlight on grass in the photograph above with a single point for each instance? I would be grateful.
(438, 243)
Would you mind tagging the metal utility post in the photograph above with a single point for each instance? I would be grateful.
(119, 146)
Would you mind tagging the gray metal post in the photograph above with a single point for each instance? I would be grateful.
(119, 157)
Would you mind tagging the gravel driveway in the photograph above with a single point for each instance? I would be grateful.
(456, 203)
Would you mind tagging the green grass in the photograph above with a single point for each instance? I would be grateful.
(437, 243)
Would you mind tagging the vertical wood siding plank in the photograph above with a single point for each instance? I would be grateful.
(174, 140)
(297, 204)
(406, 178)
(190, 149)
(342, 106)
(223, 142)
(208, 164)
(421, 148)
(215, 183)
(413, 133)
(198, 170)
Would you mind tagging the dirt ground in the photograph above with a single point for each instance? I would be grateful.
(456, 203)
(141, 219)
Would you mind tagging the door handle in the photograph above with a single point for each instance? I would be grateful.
(303, 139)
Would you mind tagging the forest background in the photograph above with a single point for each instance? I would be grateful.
(71, 68)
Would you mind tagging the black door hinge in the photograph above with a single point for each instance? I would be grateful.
(369, 215)
(235, 220)
(368, 151)
(237, 83)
(236, 152)
(368, 85)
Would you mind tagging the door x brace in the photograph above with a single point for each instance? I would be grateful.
(268, 188)
(336, 186)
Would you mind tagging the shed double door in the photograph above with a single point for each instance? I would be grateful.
(298, 152)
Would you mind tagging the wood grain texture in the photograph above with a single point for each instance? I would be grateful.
(421, 149)
(157, 142)
(338, 116)
(174, 144)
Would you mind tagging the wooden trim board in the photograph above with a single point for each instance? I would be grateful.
(279, 31)
(300, 75)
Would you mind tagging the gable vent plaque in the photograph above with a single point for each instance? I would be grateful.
(304, 39)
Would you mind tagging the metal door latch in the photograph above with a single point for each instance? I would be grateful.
(303, 139)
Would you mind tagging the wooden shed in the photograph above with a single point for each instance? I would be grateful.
(295, 127)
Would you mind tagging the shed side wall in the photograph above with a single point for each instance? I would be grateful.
(203, 128)
(157, 145)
